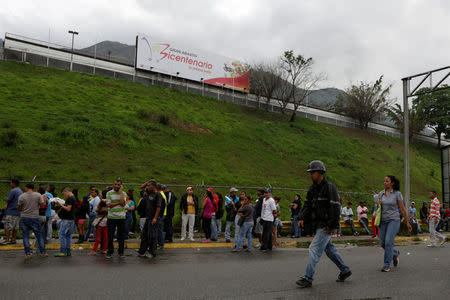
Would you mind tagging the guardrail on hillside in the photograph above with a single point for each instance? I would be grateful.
(40, 53)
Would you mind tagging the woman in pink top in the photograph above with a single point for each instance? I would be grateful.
(207, 215)
(362, 211)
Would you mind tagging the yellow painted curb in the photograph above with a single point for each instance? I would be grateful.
(400, 240)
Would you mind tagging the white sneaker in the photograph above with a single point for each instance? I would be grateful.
(431, 245)
(192, 239)
(443, 242)
(257, 246)
(183, 238)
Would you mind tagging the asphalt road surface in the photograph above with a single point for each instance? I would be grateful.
(220, 274)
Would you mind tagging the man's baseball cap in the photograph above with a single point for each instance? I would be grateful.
(233, 189)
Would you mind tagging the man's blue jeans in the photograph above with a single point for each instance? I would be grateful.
(161, 232)
(245, 232)
(228, 229)
(65, 235)
(26, 225)
(295, 230)
(321, 243)
(388, 231)
(213, 227)
(128, 219)
(90, 228)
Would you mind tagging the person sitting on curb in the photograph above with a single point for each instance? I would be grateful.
(347, 214)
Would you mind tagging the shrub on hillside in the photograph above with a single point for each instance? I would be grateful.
(164, 119)
(10, 137)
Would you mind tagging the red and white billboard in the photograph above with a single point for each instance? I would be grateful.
(177, 60)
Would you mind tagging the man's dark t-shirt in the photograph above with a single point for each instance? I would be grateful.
(295, 212)
(152, 201)
(68, 215)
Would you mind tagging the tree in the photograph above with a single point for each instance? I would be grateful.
(267, 77)
(298, 72)
(284, 95)
(256, 87)
(435, 109)
(415, 120)
(364, 102)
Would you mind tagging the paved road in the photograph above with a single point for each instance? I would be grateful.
(219, 274)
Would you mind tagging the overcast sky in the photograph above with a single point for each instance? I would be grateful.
(350, 41)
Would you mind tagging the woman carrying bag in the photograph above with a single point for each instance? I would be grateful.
(390, 200)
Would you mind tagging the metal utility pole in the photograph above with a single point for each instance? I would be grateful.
(406, 141)
(73, 33)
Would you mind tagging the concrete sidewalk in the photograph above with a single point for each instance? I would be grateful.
(284, 242)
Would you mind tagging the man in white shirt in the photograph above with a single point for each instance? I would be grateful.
(347, 214)
(268, 211)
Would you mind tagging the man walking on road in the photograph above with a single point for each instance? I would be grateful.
(433, 220)
(321, 207)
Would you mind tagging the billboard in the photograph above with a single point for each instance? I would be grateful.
(178, 60)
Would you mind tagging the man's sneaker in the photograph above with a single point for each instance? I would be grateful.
(303, 283)
(183, 238)
(122, 255)
(142, 255)
(386, 269)
(60, 254)
(234, 250)
(12, 243)
(192, 239)
(443, 242)
(257, 246)
(396, 260)
(108, 256)
(431, 245)
(343, 276)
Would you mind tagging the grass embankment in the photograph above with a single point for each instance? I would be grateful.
(77, 127)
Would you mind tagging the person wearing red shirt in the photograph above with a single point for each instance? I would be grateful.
(215, 207)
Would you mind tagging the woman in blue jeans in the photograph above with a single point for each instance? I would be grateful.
(129, 207)
(245, 231)
(391, 201)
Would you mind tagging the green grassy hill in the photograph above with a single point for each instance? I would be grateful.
(76, 127)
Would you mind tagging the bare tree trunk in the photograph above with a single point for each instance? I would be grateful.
(292, 119)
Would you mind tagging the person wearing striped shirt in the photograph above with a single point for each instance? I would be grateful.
(433, 219)
(115, 201)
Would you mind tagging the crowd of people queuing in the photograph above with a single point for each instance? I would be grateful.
(110, 215)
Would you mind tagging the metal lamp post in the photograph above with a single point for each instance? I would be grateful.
(73, 33)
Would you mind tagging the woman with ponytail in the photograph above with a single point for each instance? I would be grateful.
(390, 200)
